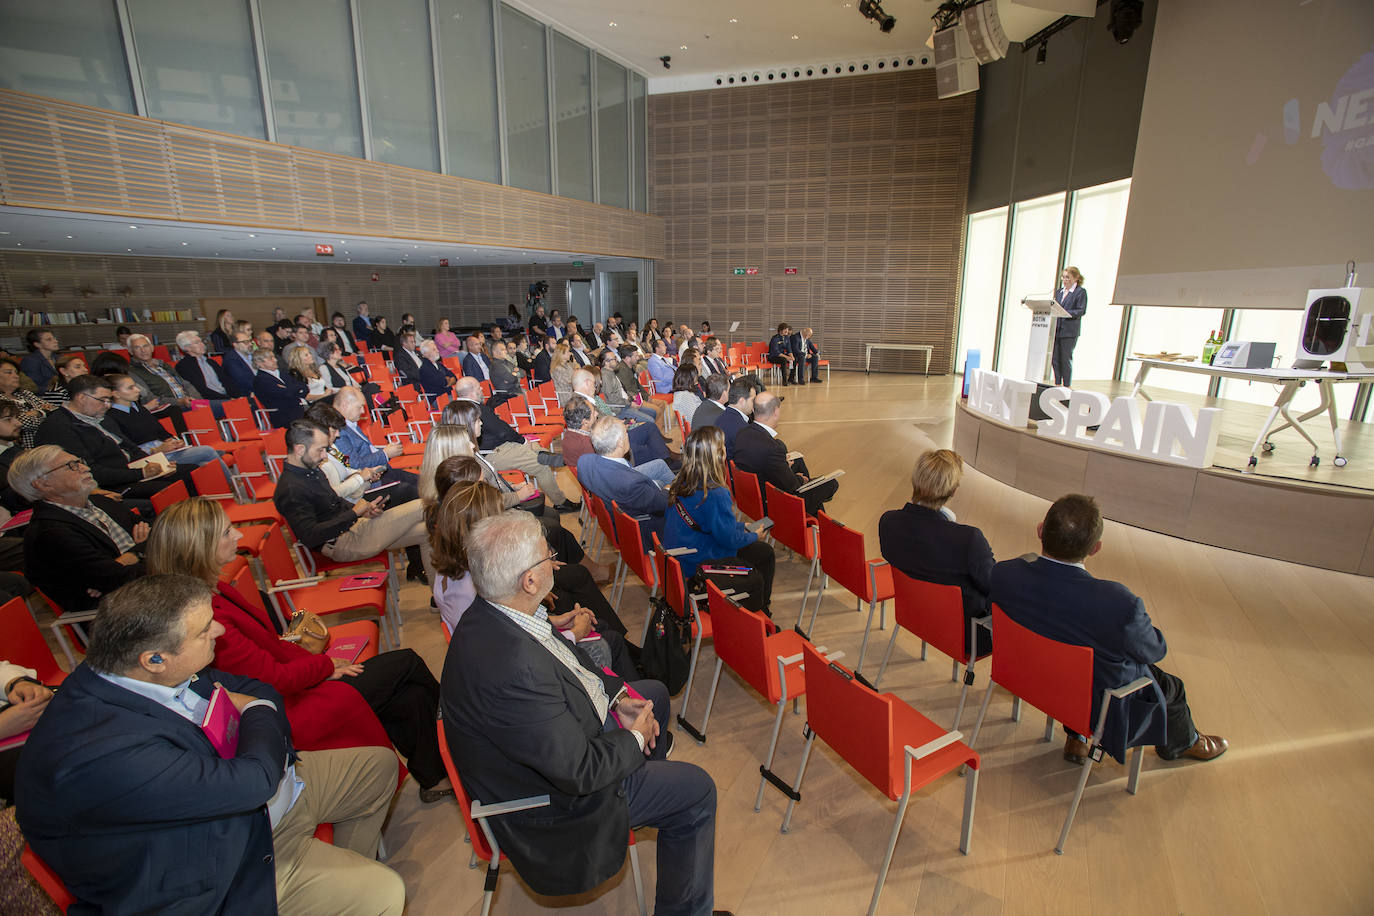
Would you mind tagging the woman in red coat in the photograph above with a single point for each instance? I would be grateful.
(391, 699)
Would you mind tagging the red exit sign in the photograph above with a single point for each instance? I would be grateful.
(751, 271)
(324, 251)
(443, 262)
(789, 270)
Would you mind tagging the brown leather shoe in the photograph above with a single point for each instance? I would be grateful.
(1076, 751)
(1206, 747)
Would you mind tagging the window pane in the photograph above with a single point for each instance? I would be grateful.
(196, 61)
(311, 73)
(612, 133)
(639, 109)
(397, 65)
(467, 67)
(65, 49)
(1156, 329)
(1095, 229)
(1034, 256)
(987, 239)
(525, 80)
(572, 104)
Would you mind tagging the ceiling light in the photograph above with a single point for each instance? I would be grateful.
(682, 47)
(185, 243)
(71, 236)
(734, 20)
(795, 37)
(133, 227)
(252, 235)
(872, 9)
(274, 247)
(612, 25)
(1126, 16)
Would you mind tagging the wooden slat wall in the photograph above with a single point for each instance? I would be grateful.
(858, 183)
(63, 156)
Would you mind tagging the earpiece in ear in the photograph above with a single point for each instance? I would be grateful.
(155, 659)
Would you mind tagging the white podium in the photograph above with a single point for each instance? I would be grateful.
(1044, 310)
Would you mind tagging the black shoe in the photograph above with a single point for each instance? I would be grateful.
(815, 380)
(568, 505)
(429, 796)
(551, 459)
(417, 575)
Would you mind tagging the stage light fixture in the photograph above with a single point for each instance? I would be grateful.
(1126, 16)
(872, 9)
(1040, 53)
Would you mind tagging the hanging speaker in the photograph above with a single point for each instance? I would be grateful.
(985, 33)
(956, 69)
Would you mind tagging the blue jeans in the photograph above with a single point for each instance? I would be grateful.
(658, 471)
(196, 455)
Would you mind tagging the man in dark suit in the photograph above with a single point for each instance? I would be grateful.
(712, 360)
(362, 324)
(76, 426)
(1055, 596)
(637, 490)
(281, 394)
(475, 362)
(204, 373)
(346, 341)
(922, 540)
(759, 450)
(406, 359)
(804, 355)
(526, 713)
(780, 352)
(1074, 298)
(504, 385)
(735, 417)
(77, 546)
(716, 385)
(238, 363)
(543, 360)
(143, 814)
(435, 378)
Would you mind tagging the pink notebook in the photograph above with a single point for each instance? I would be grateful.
(221, 723)
(363, 580)
(349, 649)
(20, 518)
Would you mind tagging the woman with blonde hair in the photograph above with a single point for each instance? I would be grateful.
(445, 441)
(301, 363)
(399, 696)
(461, 423)
(561, 369)
(222, 337)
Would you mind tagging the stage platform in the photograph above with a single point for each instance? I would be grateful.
(1287, 510)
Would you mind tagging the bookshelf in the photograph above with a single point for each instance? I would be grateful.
(95, 327)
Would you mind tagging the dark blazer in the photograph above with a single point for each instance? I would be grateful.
(581, 357)
(706, 414)
(8, 497)
(407, 364)
(240, 373)
(435, 378)
(926, 545)
(362, 330)
(634, 493)
(519, 723)
(136, 812)
(378, 340)
(1066, 604)
(475, 367)
(137, 424)
(1076, 304)
(190, 370)
(504, 385)
(109, 462)
(346, 337)
(730, 422)
(712, 366)
(779, 349)
(283, 397)
(495, 431)
(542, 363)
(766, 456)
(58, 543)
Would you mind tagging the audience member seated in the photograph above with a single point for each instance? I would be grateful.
(281, 394)
(238, 362)
(350, 483)
(544, 361)
(716, 387)
(922, 540)
(362, 325)
(686, 392)
(660, 367)
(780, 353)
(804, 355)
(578, 418)
(475, 362)
(33, 410)
(382, 337)
(38, 364)
(326, 522)
(302, 366)
(359, 452)
(506, 668)
(447, 341)
(613, 390)
(10, 448)
(300, 339)
(712, 362)
(155, 379)
(77, 546)
(203, 373)
(1057, 597)
(407, 359)
(607, 474)
(144, 815)
(760, 451)
(68, 366)
(23, 698)
(735, 417)
(702, 517)
(347, 340)
(127, 418)
(507, 449)
(646, 441)
(628, 374)
(579, 353)
(77, 427)
(504, 385)
(330, 702)
(435, 378)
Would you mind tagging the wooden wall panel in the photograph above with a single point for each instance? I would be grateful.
(860, 184)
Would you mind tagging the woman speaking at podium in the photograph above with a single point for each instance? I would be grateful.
(1074, 298)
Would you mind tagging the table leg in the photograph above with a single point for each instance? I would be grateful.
(1329, 398)
(1281, 403)
(1139, 388)
(868, 357)
(928, 351)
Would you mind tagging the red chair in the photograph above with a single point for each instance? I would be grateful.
(890, 744)
(255, 479)
(768, 660)
(25, 646)
(745, 487)
(669, 571)
(239, 574)
(634, 558)
(484, 845)
(798, 532)
(66, 624)
(844, 559)
(935, 614)
(171, 494)
(211, 483)
(1057, 679)
(289, 591)
(203, 429)
(238, 420)
(606, 526)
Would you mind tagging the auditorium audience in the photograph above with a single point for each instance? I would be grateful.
(222, 337)
(407, 359)
(760, 451)
(686, 392)
(237, 362)
(33, 410)
(194, 538)
(702, 518)
(447, 341)
(129, 419)
(143, 815)
(715, 387)
(360, 453)
(38, 364)
(382, 337)
(743, 390)
(628, 374)
(646, 441)
(475, 362)
(614, 393)
(350, 483)
(805, 355)
(301, 366)
(203, 373)
(503, 383)
(155, 379)
(362, 325)
(712, 361)
(611, 477)
(435, 378)
(68, 366)
(280, 393)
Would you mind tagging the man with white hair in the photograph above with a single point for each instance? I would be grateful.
(526, 713)
(281, 394)
(510, 451)
(203, 373)
(155, 379)
(434, 377)
(646, 442)
(610, 476)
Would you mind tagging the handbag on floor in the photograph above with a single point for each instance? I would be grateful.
(665, 656)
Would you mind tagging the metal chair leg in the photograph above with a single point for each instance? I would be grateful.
(1073, 805)
(772, 749)
(982, 713)
(687, 697)
(1049, 728)
(970, 796)
(796, 786)
(1016, 709)
(820, 593)
(887, 655)
(710, 700)
(863, 647)
(639, 881)
(891, 847)
(1137, 761)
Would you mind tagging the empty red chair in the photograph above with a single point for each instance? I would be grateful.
(935, 613)
(632, 554)
(669, 571)
(798, 532)
(211, 483)
(203, 429)
(844, 559)
(171, 494)
(890, 744)
(745, 487)
(238, 419)
(1057, 679)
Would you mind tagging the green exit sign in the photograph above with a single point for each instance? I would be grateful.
(739, 271)
(577, 264)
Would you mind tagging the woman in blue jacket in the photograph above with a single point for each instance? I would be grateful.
(702, 516)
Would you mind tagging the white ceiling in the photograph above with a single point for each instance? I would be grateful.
(730, 35)
(25, 229)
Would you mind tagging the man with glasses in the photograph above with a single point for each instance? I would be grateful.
(238, 362)
(155, 378)
(78, 545)
(76, 426)
(204, 373)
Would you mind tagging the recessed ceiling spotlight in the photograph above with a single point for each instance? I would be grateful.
(133, 227)
(274, 247)
(130, 249)
(612, 25)
(795, 37)
(682, 47)
(734, 20)
(252, 235)
(71, 236)
(185, 244)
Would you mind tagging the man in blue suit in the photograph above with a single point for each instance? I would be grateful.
(281, 394)
(610, 476)
(1074, 298)
(238, 362)
(475, 362)
(125, 796)
(739, 407)
(359, 453)
(1055, 596)
(780, 352)
(362, 324)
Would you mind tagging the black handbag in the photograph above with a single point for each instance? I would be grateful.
(665, 656)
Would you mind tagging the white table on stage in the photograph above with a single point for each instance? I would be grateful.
(869, 348)
(1290, 379)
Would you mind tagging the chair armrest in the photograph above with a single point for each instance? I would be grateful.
(679, 551)
(479, 810)
(930, 747)
(1120, 693)
(788, 661)
(71, 617)
(985, 621)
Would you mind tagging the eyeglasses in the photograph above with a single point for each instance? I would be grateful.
(553, 555)
(107, 401)
(75, 464)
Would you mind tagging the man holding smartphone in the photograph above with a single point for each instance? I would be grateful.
(326, 522)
